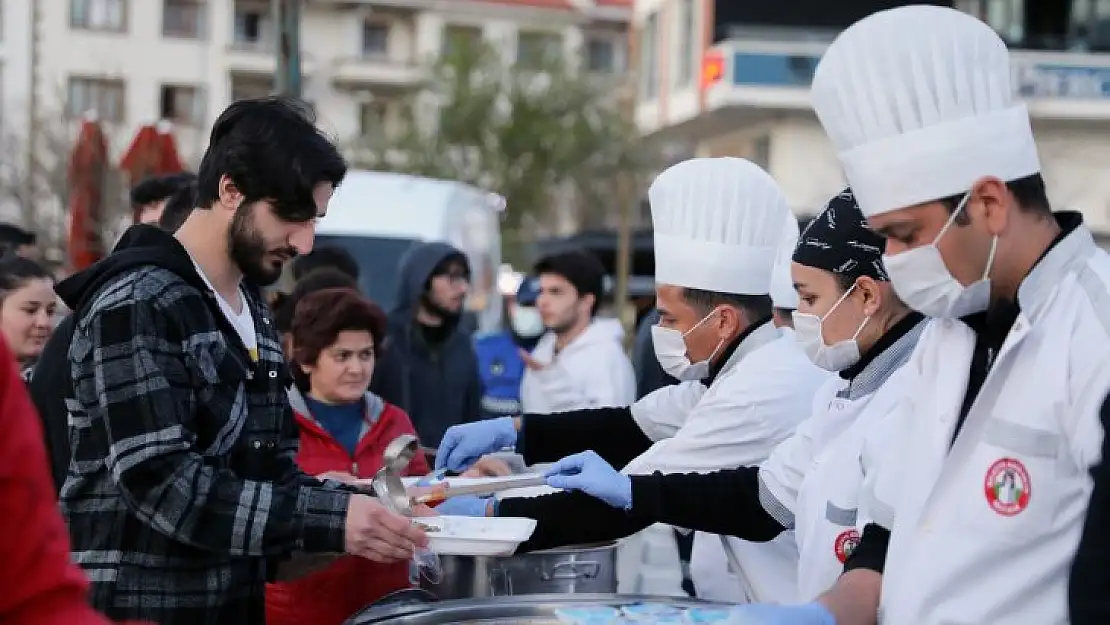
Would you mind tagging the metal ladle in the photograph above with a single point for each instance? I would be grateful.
(390, 489)
(387, 483)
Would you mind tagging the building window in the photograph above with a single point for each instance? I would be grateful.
(371, 118)
(649, 57)
(457, 38)
(535, 50)
(684, 76)
(102, 95)
(601, 55)
(375, 39)
(184, 18)
(252, 29)
(98, 14)
(182, 104)
(245, 89)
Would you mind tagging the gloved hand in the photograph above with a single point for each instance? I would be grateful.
(463, 445)
(589, 473)
(464, 505)
(765, 614)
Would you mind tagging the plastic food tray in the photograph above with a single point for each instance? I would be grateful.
(477, 536)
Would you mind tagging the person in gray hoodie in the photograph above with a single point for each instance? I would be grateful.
(428, 366)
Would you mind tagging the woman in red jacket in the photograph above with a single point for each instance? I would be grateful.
(344, 431)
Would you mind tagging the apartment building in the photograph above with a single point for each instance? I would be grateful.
(140, 61)
(731, 78)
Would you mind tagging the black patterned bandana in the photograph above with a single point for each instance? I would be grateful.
(839, 240)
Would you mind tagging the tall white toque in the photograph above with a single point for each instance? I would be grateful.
(783, 294)
(918, 104)
(718, 225)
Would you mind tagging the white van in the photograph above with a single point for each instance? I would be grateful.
(377, 216)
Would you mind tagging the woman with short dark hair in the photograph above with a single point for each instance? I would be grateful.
(344, 430)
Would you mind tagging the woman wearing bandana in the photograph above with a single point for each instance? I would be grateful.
(849, 321)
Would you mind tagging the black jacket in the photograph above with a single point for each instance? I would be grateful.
(437, 385)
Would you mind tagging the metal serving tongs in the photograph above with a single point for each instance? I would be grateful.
(492, 488)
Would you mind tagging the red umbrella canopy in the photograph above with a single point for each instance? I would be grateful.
(87, 168)
(153, 152)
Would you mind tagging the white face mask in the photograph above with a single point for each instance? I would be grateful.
(526, 322)
(836, 357)
(921, 279)
(670, 349)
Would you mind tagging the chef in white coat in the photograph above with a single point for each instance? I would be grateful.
(714, 577)
(848, 320)
(978, 505)
(718, 224)
(580, 361)
(783, 296)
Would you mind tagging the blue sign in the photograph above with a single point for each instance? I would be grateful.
(773, 70)
(1062, 81)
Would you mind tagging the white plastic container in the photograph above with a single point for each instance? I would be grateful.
(477, 536)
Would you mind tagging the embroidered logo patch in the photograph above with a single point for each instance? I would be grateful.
(846, 542)
(1007, 487)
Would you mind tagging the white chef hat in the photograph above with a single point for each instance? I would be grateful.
(718, 225)
(918, 104)
(783, 294)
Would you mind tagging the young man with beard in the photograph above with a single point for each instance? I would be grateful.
(428, 366)
(580, 362)
(183, 493)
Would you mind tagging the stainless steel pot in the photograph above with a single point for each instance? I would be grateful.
(521, 610)
(567, 570)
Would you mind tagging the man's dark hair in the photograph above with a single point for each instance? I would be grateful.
(755, 307)
(271, 149)
(178, 208)
(1029, 192)
(581, 268)
(158, 188)
(322, 278)
(12, 236)
(327, 256)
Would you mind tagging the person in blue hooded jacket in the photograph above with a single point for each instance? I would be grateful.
(427, 365)
(499, 362)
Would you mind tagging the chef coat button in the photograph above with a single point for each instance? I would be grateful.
(270, 444)
(257, 444)
(273, 374)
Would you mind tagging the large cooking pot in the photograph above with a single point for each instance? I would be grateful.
(566, 570)
(520, 610)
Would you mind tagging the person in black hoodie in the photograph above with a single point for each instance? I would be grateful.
(428, 366)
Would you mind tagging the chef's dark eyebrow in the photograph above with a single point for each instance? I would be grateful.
(892, 230)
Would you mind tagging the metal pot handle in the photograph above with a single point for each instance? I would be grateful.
(571, 570)
(500, 582)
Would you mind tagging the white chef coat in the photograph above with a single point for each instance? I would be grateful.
(756, 401)
(983, 530)
(813, 481)
(592, 371)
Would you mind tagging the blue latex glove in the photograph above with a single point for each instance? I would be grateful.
(463, 445)
(589, 473)
(763, 614)
(464, 505)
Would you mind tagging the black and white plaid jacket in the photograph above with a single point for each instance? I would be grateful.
(183, 487)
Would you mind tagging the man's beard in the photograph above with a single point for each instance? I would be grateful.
(564, 326)
(447, 315)
(248, 250)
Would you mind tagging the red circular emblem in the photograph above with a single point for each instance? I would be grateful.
(845, 543)
(1007, 487)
